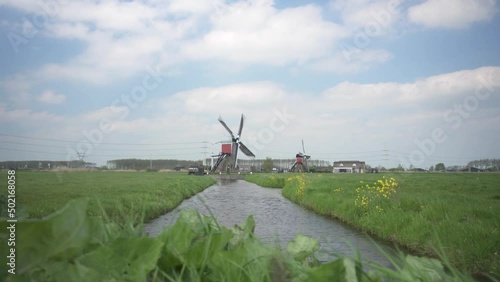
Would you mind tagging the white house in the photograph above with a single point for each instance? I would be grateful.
(349, 167)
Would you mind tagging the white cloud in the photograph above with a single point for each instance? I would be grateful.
(194, 6)
(440, 90)
(451, 13)
(107, 113)
(383, 111)
(28, 117)
(368, 14)
(349, 117)
(254, 32)
(231, 99)
(122, 38)
(119, 38)
(49, 97)
(17, 88)
(354, 62)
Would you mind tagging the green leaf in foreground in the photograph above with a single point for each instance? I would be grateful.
(125, 258)
(179, 238)
(424, 269)
(61, 235)
(243, 233)
(302, 247)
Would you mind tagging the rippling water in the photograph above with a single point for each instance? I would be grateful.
(277, 219)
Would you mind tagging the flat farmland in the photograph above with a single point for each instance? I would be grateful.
(122, 196)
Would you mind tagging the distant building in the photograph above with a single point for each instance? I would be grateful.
(90, 165)
(349, 167)
(472, 169)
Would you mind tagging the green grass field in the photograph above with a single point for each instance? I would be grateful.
(196, 248)
(124, 196)
(456, 215)
(70, 245)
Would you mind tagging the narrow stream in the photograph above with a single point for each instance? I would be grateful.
(277, 220)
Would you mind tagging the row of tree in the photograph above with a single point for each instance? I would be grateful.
(141, 164)
(44, 164)
(267, 165)
(486, 164)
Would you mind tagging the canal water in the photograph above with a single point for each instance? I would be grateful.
(277, 220)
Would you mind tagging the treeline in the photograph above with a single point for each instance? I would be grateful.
(486, 164)
(43, 164)
(142, 164)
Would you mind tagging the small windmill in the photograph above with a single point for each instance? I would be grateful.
(229, 149)
(301, 161)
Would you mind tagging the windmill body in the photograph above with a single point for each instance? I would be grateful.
(228, 156)
(300, 164)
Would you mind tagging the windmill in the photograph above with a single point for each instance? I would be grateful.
(301, 161)
(229, 149)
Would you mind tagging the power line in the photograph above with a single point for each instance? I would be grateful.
(103, 143)
(94, 155)
(103, 149)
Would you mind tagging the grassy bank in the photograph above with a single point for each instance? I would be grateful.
(456, 214)
(269, 180)
(70, 245)
(122, 195)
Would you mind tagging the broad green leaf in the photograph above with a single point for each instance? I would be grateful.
(62, 234)
(125, 258)
(424, 269)
(250, 259)
(244, 232)
(343, 270)
(177, 239)
(333, 271)
(204, 248)
(199, 223)
(63, 271)
(302, 247)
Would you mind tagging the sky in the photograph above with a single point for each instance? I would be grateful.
(386, 82)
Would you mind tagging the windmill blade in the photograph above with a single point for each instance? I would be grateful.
(245, 150)
(235, 154)
(303, 149)
(241, 125)
(226, 127)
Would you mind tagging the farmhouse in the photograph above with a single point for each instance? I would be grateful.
(349, 166)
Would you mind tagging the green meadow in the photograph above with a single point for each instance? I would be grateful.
(455, 216)
(449, 216)
(122, 196)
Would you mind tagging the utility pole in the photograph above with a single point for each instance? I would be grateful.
(81, 156)
(205, 147)
(386, 157)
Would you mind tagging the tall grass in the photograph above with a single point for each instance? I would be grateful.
(454, 213)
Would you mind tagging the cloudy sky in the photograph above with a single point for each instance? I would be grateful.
(387, 82)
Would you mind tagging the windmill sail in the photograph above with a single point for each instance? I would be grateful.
(236, 143)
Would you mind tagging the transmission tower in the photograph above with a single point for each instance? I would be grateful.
(81, 157)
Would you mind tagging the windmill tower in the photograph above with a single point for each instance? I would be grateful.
(300, 164)
(227, 159)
